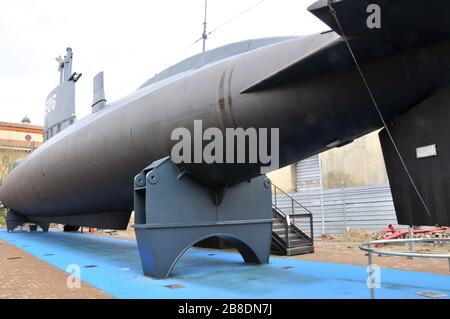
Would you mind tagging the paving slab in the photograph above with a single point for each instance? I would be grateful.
(23, 276)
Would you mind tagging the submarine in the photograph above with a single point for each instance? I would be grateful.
(313, 89)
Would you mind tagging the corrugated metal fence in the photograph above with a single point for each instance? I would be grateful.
(337, 210)
(309, 173)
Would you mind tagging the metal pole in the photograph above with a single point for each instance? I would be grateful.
(321, 196)
(204, 35)
(411, 236)
(372, 286)
(286, 229)
(275, 188)
(344, 207)
(367, 248)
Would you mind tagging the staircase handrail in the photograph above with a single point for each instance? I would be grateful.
(279, 190)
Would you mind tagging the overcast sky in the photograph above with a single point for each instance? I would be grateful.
(128, 40)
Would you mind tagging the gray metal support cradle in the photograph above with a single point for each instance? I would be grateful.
(173, 212)
(14, 220)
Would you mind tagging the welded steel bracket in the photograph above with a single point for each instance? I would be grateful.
(173, 212)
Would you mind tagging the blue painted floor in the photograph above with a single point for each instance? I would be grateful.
(212, 274)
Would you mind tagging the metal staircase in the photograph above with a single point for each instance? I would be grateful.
(292, 228)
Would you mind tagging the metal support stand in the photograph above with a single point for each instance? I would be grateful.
(14, 220)
(173, 212)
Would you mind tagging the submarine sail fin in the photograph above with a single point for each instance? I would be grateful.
(60, 103)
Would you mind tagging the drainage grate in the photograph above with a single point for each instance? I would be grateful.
(432, 294)
(12, 258)
(90, 266)
(175, 286)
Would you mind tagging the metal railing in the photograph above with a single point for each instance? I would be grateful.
(295, 216)
(368, 247)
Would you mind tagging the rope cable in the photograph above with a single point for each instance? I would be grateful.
(139, 78)
(170, 58)
(236, 16)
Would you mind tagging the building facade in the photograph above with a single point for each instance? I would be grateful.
(17, 141)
